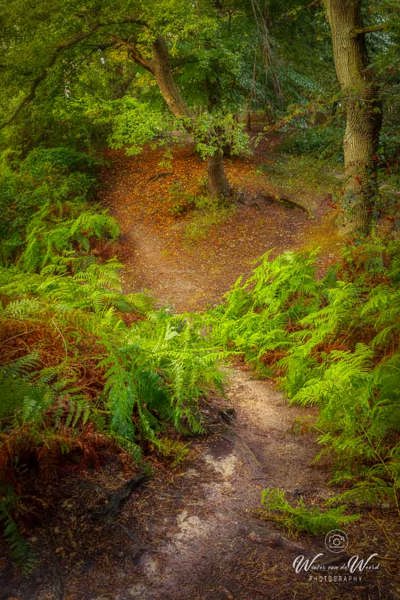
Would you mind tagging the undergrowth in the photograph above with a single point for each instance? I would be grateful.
(75, 376)
(83, 366)
(208, 213)
(298, 517)
(202, 212)
(296, 173)
(331, 342)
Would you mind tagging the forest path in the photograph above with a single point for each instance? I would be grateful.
(192, 532)
(196, 531)
(187, 258)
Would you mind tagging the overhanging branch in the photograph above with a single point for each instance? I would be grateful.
(60, 48)
(42, 76)
(134, 53)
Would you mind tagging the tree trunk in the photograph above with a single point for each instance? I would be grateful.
(363, 114)
(163, 75)
(159, 65)
(248, 121)
(218, 186)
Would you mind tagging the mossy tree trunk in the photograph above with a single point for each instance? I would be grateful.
(363, 112)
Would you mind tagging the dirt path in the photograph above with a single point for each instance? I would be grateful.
(197, 530)
(190, 259)
(211, 544)
(193, 533)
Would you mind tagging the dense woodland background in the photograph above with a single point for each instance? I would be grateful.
(87, 365)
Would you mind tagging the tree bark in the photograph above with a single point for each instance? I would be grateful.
(164, 77)
(218, 185)
(363, 112)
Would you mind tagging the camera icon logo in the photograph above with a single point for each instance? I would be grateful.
(336, 541)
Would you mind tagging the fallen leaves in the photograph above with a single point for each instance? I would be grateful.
(192, 272)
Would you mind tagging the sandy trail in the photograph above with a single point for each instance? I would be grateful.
(209, 543)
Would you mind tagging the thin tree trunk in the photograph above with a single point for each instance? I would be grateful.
(261, 19)
(363, 114)
(248, 121)
(218, 185)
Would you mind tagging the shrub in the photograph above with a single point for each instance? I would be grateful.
(74, 376)
(333, 342)
(50, 185)
(324, 142)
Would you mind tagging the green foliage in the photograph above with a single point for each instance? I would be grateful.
(20, 550)
(91, 83)
(173, 450)
(213, 131)
(69, 84)
(300, 518)
(182, 202)
(136, 123)
(155, 371)
(150, 375)
(206, 213)
(107, 381)
(296, 174)
(322, 142)
(160, 371)
(42, 163)
(22, 399)
(257, 313)
(50, 238)
(332, 342)
(46, 207)
(202, 211)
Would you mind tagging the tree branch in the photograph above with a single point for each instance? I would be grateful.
(135, 54)
(370, 29)
(65, 46)
(42, 76)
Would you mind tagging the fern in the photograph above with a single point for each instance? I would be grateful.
(331, 342)
(20, 550)
(299, 518)
(63, 304)
(48, 238)
(23, 400)
(158, 374)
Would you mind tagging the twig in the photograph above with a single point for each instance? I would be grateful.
(62, 337)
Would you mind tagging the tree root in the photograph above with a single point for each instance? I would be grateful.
(118, 499)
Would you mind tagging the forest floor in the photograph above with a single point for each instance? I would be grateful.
(194, 530)
(188, 257)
